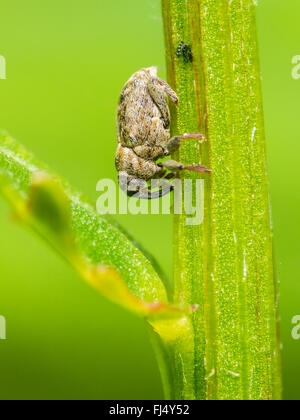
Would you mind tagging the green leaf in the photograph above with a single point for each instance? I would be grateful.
(100, 252)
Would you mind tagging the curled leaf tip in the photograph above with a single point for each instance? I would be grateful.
(110, 283)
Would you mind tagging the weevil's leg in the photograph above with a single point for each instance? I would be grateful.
(170, 176)
(159, 188)
(169, 91)
(159, 97)
(175, 142)
(164, 176)
(161, 176)
(157, 180)
(172, 165)
(165, 190)
(164, 186)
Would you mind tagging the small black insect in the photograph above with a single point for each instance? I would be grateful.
(185, 51)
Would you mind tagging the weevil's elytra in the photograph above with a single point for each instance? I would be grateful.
(143, 131)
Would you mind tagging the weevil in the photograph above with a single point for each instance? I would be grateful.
(143, 132)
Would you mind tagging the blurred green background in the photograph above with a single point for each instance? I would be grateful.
(66, 64)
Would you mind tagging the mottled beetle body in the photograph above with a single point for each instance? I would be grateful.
(143, 130)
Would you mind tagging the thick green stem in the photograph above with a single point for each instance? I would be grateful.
(226, 264)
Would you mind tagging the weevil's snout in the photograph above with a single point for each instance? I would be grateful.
(130, 185)
(138, 188)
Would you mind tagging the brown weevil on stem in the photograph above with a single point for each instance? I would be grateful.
(143, 130)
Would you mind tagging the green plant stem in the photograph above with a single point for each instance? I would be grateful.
(226, 264)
